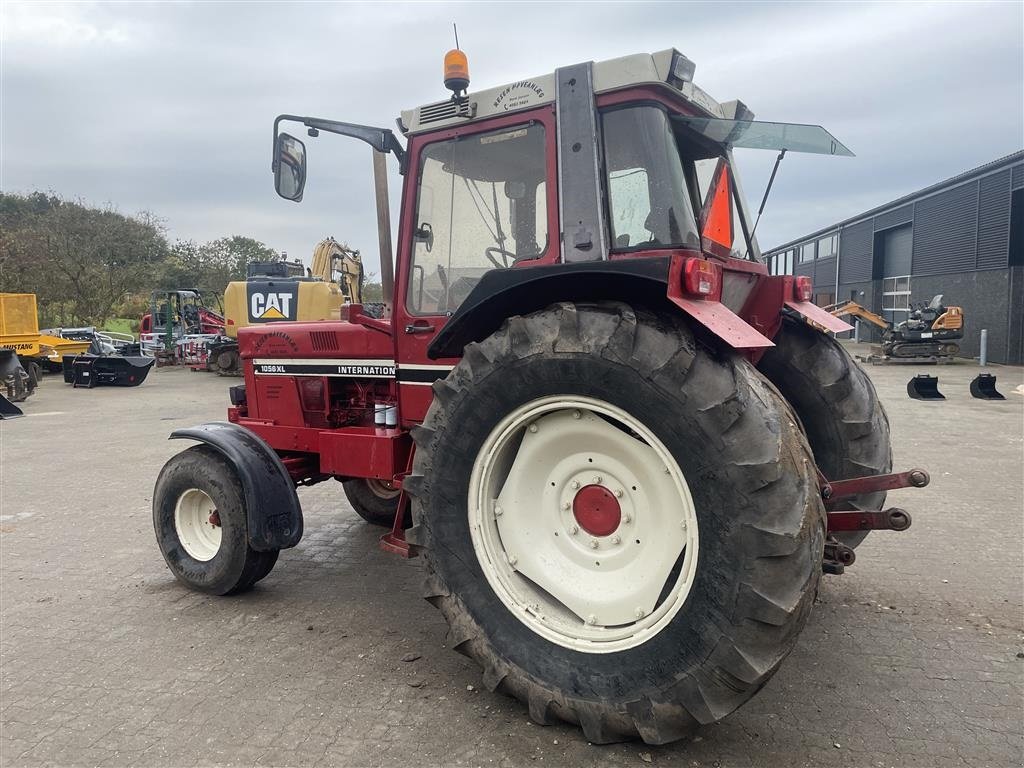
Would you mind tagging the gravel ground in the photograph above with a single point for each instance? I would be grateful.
(913, 657)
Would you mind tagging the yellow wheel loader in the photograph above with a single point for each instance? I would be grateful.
(24, 351)
(275, 291)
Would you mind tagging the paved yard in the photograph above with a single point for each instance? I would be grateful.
(914, 657)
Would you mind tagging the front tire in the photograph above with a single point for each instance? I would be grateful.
(201, 528)
(376, 501)
(653, 411)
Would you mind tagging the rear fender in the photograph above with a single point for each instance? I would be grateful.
(272, 506)
(652, 282)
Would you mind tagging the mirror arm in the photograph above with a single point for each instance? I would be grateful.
(381, 139)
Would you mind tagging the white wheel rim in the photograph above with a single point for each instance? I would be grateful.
(602, 591)
(383, 489)
(197, 523)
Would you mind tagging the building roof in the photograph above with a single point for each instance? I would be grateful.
(981, 170)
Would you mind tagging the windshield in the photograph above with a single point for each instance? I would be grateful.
(648, 199)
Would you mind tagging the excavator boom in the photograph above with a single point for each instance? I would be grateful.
(853, 309)
(334, 261)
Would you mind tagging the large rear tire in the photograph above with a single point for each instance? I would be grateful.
(201, 525)
(581, 443)
(838, 406)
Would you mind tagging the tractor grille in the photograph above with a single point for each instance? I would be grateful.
(324, 341)
(446, 110)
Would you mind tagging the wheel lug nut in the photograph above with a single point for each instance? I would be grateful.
(616, 540)
(575, 485)
(640, 613)
(577, 415)
(574, 530)
(682, 524)
(627, 518)
(567, 506)
(591, 619)
(597, 479)
(619, 493)
(594, 543)
(512, 559)
(498, 510)
(533, 427)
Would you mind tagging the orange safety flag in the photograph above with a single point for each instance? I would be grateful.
(718, 221)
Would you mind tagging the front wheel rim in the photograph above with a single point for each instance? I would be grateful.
(583, 523)
(197, 523)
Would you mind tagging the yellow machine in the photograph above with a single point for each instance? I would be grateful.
(930, 331)
(273, 291)
(27, 350)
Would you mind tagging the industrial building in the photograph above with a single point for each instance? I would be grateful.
(962, 237)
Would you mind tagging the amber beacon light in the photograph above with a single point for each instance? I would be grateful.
(456, 71)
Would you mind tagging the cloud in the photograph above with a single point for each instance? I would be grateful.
(168, 106)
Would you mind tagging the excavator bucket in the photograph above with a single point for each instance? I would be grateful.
(9, 410)
(924, 387)
(983, 387)
(112, 370)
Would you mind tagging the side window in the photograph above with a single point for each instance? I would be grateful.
(482, 205)
(630, 203)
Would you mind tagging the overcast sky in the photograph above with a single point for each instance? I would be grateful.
(168, 107)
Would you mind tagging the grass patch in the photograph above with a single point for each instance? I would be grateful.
(122, 325)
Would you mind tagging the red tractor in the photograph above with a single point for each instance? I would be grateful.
(623, 451)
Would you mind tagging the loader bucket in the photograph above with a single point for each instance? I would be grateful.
(983, 387)
(9, 410)
(111, 370)
(924, 387)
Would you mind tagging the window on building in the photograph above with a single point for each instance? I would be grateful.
(828, 247)
(806, 252)
(896, 294)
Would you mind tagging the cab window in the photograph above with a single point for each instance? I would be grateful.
(481, 205)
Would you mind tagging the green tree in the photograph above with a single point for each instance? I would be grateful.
(211, 266)
(81, 262)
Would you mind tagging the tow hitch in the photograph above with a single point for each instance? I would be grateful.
(837, 554)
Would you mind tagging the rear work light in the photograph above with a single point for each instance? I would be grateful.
(802, 288)
(702, 278)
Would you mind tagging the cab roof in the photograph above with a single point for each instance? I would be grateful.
(668, 69)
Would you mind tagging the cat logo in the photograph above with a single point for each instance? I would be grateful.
(270, 305)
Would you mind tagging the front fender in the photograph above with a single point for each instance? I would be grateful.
(272, 507)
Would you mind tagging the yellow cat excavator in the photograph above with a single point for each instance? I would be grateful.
(277, 290)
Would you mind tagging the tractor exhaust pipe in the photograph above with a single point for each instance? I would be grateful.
(387, 264)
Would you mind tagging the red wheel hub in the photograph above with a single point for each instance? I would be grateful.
(596, 510)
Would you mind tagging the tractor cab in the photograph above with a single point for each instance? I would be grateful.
(609, 165)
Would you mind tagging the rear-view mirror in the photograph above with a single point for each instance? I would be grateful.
(290, 167)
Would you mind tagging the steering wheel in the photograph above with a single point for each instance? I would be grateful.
(505, 255)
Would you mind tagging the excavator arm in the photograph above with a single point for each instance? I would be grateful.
(853, 309)
(333, 261)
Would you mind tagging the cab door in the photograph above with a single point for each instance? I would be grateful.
(478, 198)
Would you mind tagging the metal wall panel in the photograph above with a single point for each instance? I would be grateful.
(902, 215)
(994, 221)
(1018, 176)
(825, 274)
(855, 248)
(945, 231)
